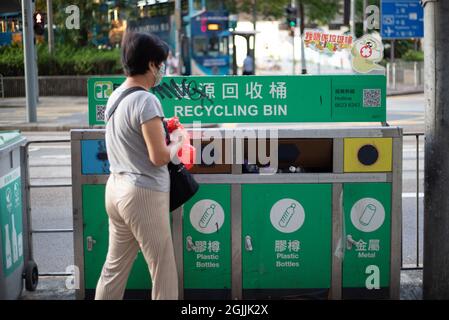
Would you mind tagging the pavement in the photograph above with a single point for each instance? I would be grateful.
(404, 89)
(53, 114)
(54, 288)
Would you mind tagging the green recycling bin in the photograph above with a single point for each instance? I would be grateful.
(96, 246)
(13, 265)
(207, 248)
(367, 214)
(325, 225)
(287, 241)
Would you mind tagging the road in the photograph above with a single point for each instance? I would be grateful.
(52, 208)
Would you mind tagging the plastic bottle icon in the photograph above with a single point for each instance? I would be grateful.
(15, 250)
(8, 200)
(8, 248)
(207, 215)
(287, 216)
(367, 215)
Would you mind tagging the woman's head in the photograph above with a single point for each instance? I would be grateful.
(142, 52)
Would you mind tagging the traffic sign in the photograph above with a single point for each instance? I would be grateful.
(401, 19)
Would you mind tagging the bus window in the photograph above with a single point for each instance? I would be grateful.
(224, 46)
(200, 46)
(214, 5)
(213, 46)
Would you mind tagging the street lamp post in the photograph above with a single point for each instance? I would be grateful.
(51, 39)
(300, 6)
(29, 60)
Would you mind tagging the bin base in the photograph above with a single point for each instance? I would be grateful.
(189, 294)
(135, 294)
(286, 294)
(363, 293)
(207, 294)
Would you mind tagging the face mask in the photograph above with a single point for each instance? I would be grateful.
(159, 75)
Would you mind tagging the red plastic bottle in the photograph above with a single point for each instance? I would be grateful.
(187, 153)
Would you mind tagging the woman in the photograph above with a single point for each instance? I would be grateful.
(137, 191)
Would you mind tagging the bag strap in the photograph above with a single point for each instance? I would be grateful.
(122, 96)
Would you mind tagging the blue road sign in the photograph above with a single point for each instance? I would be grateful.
(401, 19)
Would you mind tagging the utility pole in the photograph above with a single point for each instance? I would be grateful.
(293, 5)
(365, 23)
(254, 36)
(352, 18)
(34, 65)
(29, 63)
(51, 39)
(178, 21)
(300, 7)
(436, 174)
(392, 51)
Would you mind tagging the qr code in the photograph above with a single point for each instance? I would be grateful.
(99, 112)
(371, 97)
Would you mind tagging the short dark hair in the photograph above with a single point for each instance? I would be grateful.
(139, 49)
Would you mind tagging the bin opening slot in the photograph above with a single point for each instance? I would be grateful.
(301, 155)
(212, 156)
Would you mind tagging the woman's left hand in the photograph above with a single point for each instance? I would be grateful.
(178, 136)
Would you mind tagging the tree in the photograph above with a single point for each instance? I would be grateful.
(316, 11)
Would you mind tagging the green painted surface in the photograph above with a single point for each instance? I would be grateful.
(259, 99)
(285, 253)
(207, 220)
(372, 236)
(11, 221)
(96, 226)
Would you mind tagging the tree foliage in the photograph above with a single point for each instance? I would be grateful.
(90, 17)
(94, 23)
(316, 11)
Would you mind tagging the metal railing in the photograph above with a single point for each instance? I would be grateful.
(416, 265)
(2, 88)
(405, 75)
(28, 187)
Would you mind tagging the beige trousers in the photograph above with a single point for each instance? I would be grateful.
(138, 219)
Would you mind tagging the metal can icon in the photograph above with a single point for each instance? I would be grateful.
(367, 215)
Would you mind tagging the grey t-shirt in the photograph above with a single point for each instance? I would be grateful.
(126, 148)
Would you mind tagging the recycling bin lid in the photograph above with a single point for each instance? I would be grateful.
(9, 137)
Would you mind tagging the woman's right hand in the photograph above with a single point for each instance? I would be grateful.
(177, 140)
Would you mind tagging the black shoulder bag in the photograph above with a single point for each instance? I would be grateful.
(182, 184)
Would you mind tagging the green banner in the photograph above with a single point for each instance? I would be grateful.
(258, 99)
(11, 221)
